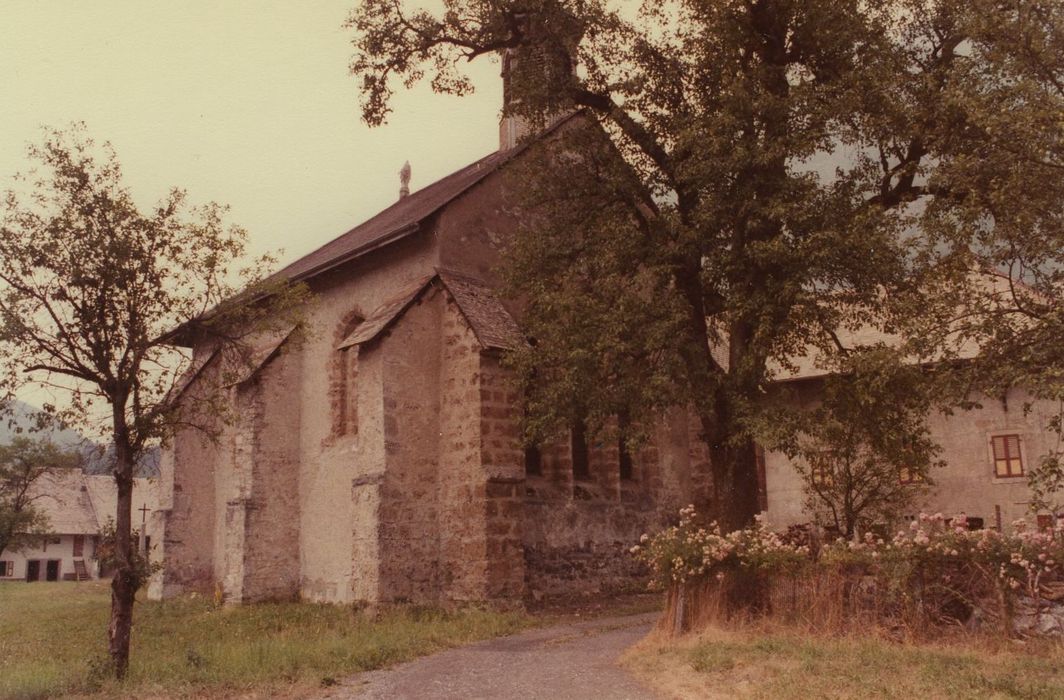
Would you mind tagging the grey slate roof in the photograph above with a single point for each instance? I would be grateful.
(492, 324)
(261, 353)
(399, 220)
(403, 218)
(384, 315)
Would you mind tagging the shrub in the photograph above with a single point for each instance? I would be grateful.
(690, 551)
(932, 574)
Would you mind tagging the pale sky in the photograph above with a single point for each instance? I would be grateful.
(245, 103)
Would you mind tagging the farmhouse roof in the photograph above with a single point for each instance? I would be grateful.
(64, 499)
(77, 503)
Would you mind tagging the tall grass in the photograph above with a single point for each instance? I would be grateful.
(52, 642)
(763, 660)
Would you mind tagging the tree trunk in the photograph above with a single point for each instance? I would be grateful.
(735, 487)
(733, 460)
(124, 583)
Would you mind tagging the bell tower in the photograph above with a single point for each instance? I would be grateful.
(536, 73)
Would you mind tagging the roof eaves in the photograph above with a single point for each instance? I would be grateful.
(386, 239)
(385, 315)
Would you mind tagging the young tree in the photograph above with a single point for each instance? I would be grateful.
(23, 463)
(92, 292)
(814, 167)
(863, 451)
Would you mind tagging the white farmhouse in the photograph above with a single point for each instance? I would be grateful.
(77, 506)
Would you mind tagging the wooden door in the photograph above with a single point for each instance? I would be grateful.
(33, 570)
(79, 545)
(52, 570)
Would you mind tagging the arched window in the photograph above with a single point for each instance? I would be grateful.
(343, 375)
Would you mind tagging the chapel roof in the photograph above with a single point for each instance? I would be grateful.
(404, 217)
(397, 221)
(491, 323)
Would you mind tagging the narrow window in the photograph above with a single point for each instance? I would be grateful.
(345, 413)
(624, 457)
(578, 447)
(343, 378)
(533, 461)
(624, 460)
(822, 469)
(1007, 461)
(762, 478)
(909, 476)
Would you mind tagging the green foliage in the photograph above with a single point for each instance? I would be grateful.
(94, 294)
(786, 177)
(23, 464)
(935, 571)
(141, 564)
(1046, 482)
(92, 290)
(690, 551)
(864, 451)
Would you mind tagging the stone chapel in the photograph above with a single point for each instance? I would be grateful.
(379, 459)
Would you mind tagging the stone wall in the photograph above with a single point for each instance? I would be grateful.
(463, 548)
(341, 472)
(409, 513)
(188, 495)
(503, 468)
(271, 518)
(367, 479)
(577, 532)
(967, 483)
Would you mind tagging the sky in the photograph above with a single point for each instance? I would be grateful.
(249, 104)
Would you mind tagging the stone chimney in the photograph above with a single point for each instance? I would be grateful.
(404, 180)
(544, 65)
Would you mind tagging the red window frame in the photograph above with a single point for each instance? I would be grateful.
(822, 469)
(909, 476)
(1008, 458)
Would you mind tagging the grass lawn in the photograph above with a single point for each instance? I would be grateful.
(780, 665)
(53, 636)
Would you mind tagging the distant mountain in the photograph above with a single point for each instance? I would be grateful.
(97, 459)
(21, 421)
(100, 461)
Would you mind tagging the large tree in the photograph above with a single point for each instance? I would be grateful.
(813, 167)
(92, 293)
(24, 464)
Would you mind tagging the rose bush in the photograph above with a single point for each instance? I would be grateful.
(935, 570)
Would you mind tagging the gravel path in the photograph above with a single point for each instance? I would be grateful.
(576, 660)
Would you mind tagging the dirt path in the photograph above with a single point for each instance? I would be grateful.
(570, 661)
